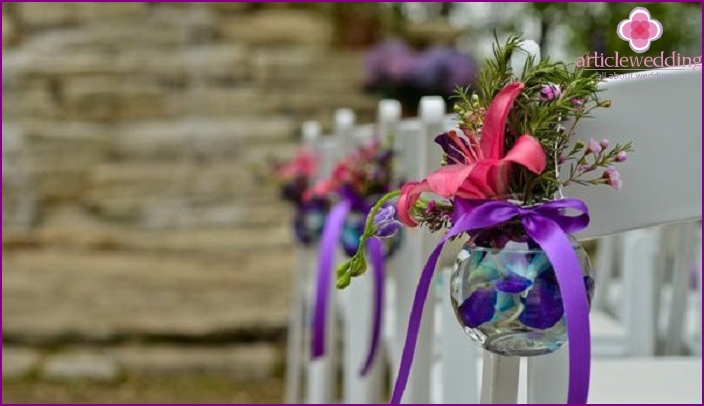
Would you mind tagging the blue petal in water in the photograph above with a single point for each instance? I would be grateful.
(351, 232)
(589, 287)
(538, 265)
(513, 283)
(483, 267)
(543, 304)
(476, 257)
(515, 262)
(478, 308)
(504, 301)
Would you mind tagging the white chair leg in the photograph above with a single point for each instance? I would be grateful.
(548, 377)
(322, 372)
(682, 254)
(296, 324)
(499, 379)
(418, 388)
(458, 355)
(358, 308)
(640, 259)
(696, 344)
(604, 271)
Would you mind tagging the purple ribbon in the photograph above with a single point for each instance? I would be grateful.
(548, 225)
(331, 235)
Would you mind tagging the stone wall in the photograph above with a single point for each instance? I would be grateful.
(131, 209)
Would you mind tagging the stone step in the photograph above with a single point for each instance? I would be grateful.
(63, 296)
(70, 228)
(245, 362)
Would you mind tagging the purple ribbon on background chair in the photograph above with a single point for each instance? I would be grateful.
(548, 225)
(328, 247)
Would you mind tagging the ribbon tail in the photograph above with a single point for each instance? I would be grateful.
(376, 254)
(409, 347)
(559, 251)
(331, 234)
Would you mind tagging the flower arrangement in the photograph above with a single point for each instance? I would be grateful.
(533, 120)
(355, 184)
(360, 178)
(520, 276)
(295, 178)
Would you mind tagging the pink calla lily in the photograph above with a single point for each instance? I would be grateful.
(410, 193)
(478, 170)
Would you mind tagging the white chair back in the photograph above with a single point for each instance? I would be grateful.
(662, 178)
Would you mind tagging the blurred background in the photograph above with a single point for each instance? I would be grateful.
(145, 256)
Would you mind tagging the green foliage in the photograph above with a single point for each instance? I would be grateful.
(551, 122)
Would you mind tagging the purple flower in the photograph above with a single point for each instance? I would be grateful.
(543, 304)
(478, 308)
(450, 144)
(391, 60)
(550, 92)
(613, 178)
(593, 146)
(604, 143)
(621, 156)
(387, 230)
(385, 225)
(577, 103)
(441, 69)
(384, 214)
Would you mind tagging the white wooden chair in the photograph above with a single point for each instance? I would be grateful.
(305, 264)
(662, 185)
(321, 385)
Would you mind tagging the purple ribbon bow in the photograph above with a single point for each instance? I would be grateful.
(548, 225)
(330, 237)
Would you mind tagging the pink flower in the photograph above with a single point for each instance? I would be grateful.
(477, 169)
(639, 30)
(304, 164)
(593, 146)
(604, 143)
(613, 178)
(550, 92)
(410, 193)
(621, 156)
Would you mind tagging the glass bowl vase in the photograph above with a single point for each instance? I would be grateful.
(506, 296)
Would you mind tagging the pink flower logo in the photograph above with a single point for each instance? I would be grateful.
(639, 30)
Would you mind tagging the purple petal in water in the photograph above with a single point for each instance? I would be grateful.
(543, 304)
(513, 283)
(478, 308)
